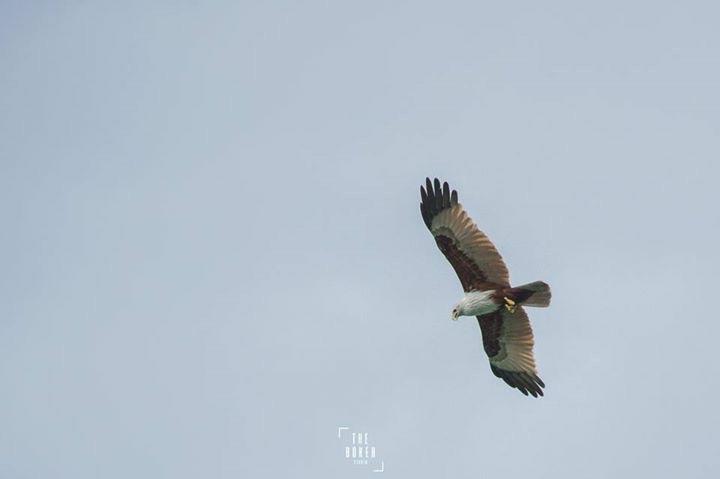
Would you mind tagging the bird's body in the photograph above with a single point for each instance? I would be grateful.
(485, 301)
(477, 303)
(507, 336)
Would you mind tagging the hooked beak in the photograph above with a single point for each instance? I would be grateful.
(454, 315)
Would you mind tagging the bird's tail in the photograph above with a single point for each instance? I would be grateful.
(532, 294)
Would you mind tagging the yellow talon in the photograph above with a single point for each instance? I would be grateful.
(510, 304)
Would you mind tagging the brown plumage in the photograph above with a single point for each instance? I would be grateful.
(507, 335)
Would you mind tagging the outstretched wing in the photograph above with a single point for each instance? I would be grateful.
(508, 342)
(470, 252)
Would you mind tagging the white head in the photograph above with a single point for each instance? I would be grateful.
(458, 310)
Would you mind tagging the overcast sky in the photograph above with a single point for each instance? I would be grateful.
(213, 257)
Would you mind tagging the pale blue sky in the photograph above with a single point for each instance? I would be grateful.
(213, 254)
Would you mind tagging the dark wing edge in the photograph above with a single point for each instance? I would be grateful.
(435, 198)
(524, 382)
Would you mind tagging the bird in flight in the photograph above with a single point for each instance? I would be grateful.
(506, 332)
